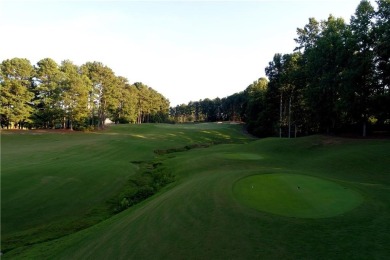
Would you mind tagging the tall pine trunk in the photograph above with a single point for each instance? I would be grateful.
(281, 113)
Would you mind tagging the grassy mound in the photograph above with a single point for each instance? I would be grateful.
(294, 195)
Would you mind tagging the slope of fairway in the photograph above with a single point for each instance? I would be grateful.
(199, 216)
(295, 195)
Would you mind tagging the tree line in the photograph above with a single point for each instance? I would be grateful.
(49, 95)
(337, 79)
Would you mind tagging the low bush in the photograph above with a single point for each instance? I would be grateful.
(151, 178)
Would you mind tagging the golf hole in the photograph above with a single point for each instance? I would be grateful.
(294, 195)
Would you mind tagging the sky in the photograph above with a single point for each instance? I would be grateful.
(185, 50)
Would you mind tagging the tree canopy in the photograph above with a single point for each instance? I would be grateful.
(49, 95)
(336, 80)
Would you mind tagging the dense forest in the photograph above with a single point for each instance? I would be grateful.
(48, 95)
(336, 80)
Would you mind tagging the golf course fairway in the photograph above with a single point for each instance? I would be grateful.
(295, 195)
(192, 191)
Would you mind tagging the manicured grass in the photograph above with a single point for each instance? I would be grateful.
(199, 216)
(241, 156)
(55, 183)
(295, 195)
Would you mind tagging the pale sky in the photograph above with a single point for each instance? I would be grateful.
(186, 50)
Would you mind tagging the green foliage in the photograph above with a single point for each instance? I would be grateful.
(75, 92)
(336, 79)
(73, 97)
(181, 149)
(48, 92)
(148, 181)
(15, 92)
(150, 106)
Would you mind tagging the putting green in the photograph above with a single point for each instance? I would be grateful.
(294, 195)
